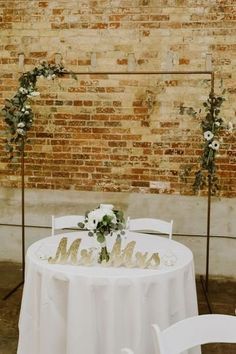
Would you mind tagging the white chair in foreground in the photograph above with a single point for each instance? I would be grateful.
(152, 225)
(195, 331)
(126, 351)
(67, 221)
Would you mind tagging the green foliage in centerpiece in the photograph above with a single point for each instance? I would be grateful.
(102, 222)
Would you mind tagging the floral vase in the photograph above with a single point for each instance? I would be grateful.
(103, 254)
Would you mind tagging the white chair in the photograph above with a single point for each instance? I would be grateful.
(67, 221)
(195, 331)
(126, 351)
(150, 225)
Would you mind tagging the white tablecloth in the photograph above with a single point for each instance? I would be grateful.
(70, 309)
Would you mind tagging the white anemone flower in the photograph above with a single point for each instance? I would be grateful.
(91, 222)
(215, 145)
(208, 135)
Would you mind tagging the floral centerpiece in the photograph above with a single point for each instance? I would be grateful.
(103, 222)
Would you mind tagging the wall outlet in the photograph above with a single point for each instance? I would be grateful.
(159, 185)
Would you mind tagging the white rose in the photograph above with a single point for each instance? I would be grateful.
(95, 216)
(20, 131)
(21, 125)
(106, 211)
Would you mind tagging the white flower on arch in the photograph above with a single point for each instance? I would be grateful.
(20, 131)
(208, 135)
(215, 145)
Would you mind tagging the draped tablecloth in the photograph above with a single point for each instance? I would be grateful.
(69, 309)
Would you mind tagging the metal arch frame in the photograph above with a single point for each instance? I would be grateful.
(22, 222)
(205, 282)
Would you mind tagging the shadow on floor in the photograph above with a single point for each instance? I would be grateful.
(222, 295)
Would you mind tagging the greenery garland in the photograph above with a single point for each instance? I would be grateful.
(18, 114)
(212, 126)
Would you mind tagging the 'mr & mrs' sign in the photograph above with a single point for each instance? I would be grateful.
(119, 257)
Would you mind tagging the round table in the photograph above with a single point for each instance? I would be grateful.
(70, 309)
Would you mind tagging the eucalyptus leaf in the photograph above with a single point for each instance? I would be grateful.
(74, 76)
(101, 238)
(8, 148)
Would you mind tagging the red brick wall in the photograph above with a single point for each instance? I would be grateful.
(119, 133)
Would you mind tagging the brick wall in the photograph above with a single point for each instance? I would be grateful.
(110, 132)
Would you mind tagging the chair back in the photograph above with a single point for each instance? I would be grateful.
(149, 224)
(126, 351)
(66, 221)
(195, 331)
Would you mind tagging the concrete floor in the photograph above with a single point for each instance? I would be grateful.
(222, 293)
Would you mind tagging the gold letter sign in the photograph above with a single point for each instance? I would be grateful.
(118, 257)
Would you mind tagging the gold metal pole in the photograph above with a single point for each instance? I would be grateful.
(22, 222)
(23, 208)
(138, 73)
